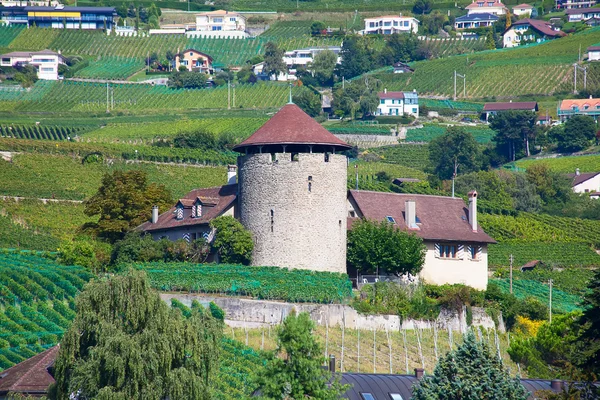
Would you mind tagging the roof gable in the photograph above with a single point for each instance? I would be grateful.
(31, 375)
(290, 126)
(505, 106)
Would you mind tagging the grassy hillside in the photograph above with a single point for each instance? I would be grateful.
(539, 69)
(586, 163)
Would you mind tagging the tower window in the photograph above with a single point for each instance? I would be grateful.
(326, 157)
(310, 177)
(295, 156)
(272, 220)
(309, 187)
(273, 157)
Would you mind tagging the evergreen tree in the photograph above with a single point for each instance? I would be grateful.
(126, 343)
(298, 372)
(590, 327)
(471, 372)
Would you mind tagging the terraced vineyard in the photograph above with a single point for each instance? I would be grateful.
(8, 33)
(52, 96)
(37, 304)
(65, 177)
(456, 105)
(16, 236)
(408, 154)
(483, 134)
(556, 254)
(367, 170)
(536, 69)
(40, 132)
(562, 302)
(442, 47)
(111, 68)
(587, 163)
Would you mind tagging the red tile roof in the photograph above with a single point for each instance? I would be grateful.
(215, 201)
(568, 104)
(582, 177)
(523, 5)
(474, 5)
(30, 376)
(540, 26)
(441, 218)
(593, 48)
(391, 95)
(290, 126)
(505, 106)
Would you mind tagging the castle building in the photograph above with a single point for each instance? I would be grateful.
(291, 194)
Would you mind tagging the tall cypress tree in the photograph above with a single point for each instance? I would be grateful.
(126, 343)
(590, 328)
(471, 372)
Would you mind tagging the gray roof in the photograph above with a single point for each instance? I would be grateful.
(477, 17)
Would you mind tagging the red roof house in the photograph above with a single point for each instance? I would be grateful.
(30, 377)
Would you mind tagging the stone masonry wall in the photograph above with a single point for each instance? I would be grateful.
(296, 210)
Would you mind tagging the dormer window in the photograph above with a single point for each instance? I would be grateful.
(179, 212)
(390, 219)
(197, 209)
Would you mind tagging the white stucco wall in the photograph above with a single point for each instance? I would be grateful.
(469, 272)
(594, 55)
(591, 185)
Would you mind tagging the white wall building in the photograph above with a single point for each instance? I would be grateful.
(45, 61)
(529, 31)
(307, 55)
(220, 23)
(593, 53)
(388, 24)
(585, 182)
(398, 103)
(495, 7)
(523, 9)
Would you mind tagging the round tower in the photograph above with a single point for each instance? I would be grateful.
(292, 193)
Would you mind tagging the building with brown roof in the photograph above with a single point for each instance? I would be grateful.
(585, 182)
(526, 31)
(583, 14)
(524, 9)
(30, 377)
(495, 7)
(494, 108)
(292, 195)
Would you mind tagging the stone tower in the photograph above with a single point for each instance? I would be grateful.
(292, 193)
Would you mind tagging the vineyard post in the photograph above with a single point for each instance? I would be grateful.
(420, 348)
(435, 345)
(387, 332)
(405, 349)
(343, 335)
(374, 355)
(511, 274)
(550, 300)
(262, 343)
(229, 94)
(326, 336)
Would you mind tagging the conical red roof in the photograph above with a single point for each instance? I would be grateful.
(290, 126)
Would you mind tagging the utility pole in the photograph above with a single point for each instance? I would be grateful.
(464, 78)
(356, 172)
(584, 69)
(107, 104)
(229, 94)
(233, 87)
(550, 300)
(511, 275)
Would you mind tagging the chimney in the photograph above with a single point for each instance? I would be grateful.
(410, 214)
(231, 174)
(332, 363)
(473, 210)
(556, 385)
(385, 90)
(577, 172)
(510, 101)
(154, 214)
(419, 372)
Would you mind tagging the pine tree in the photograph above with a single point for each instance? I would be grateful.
(298, 372)
(590, 328)
(126, 343)
(471, 372)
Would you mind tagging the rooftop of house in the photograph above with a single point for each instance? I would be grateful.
(198, 52)
(495, 3)
(505, 106)
(439, 217)
(579, 178)
(540, 26)
(582, 10)
(45, 52)
(594, 47)
(30, 376)
(523, 6)
(214, 200)
(217, 13)
(568, 104)
(478, 17)
(389, 16)
(387, 95)
(292, 126)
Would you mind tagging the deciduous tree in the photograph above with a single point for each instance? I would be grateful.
(274, 64)
(513, 129)
(456, 150)
(126, 343)
(233, 242)
(309, 102)
(323, 67)
(377, 246)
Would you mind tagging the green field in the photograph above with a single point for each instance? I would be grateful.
(56, 96)
(482, 133)
(561, 302)
(408, 154)
(111, 68)
(44, 175)
(587, 163)
(540, 69)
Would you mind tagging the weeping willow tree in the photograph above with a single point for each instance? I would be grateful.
(126, 343)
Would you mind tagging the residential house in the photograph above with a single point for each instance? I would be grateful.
(194, 60)
(402, 68)
(529, 30)
(29, 377)
(570, 107)
(585, 182)
(475, 20)
(594, 21)
(456, 244)
(544, 120)
(525, 9)
(495, 7)
(494, 108)
(289, 75)
(388, 24)
(307, 55)
(574, 4)
(60, 17)
(46, 62)
(25, 3)
(220, 23)
(594, 52)
(398, 103)
(583, 14)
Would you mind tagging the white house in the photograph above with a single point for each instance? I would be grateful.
(307, 55)
(582, 14)
(574, 4)
(45, 61)
(456, 246)
(475, 20)
(221, 23)
(585, 182)
(495, 7)
(398, 103)
(529, 31)
(594, 52)
(388, 24)
(524, 9)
